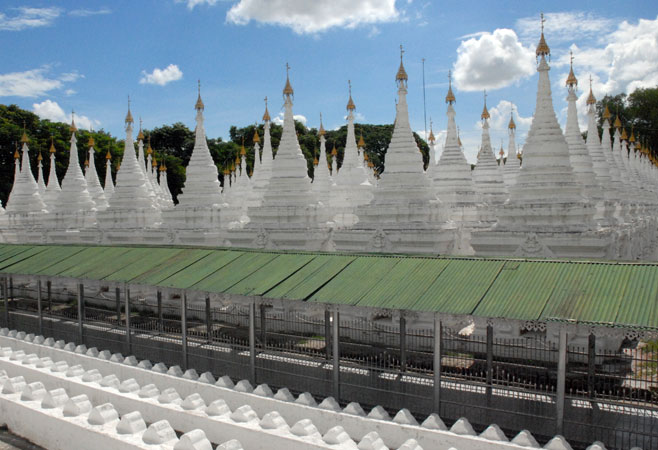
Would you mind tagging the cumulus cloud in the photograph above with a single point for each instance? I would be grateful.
(162, 76)
(51, 110)
(563, 27)
(298, 117)
(308, 17)
(33, 83)
(492, 61)
(192, 3)
(26, 17)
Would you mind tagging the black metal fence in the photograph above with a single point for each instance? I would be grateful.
(531, 382)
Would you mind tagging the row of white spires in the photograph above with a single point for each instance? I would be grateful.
(605, 175)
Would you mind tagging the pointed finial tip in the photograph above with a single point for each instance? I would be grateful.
(401, 76)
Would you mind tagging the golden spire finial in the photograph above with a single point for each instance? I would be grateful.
(334, 151)
(350, 102)
(511, 125)
(39, 157)
(52, 144)
(73, 128)
(321, 131)
(485, 112)
(542, 47)
(606, 112)
(287, 90)
(87, 161)
(632, 138)
(140, 135)
(266, 116)
(154, 164)
(108, 155)
(199, 103)
(401, 76)
(617, 122)
(149, 150)
(256, 138)
(431, 139)
(129, 116)
(591, 100)
(16, 153)
(361, 142)
(91, 141)
(623, 136)
(243, 151)
(24, 139)
(572, 81)
(450, 97)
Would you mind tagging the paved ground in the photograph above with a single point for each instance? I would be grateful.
(10, 442)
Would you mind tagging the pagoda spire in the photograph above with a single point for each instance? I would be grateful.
(52, 188)
(513, 163)
(109, 184)
(144, 165)
(24, 196)
(322, 181)
(91, 176)
(487, 176)
(40, 183)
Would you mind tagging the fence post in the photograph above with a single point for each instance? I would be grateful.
(183, 326)
(438, 330)
(126, 299)
(263, 327)
(252, 342)
(81, 300)
(561, 380)
(327, 333)
(39, 306)
(591, 364)
(160, 315)
(117, 301)
(5, 289)
(209, 326)
(336, 353)
(489, 363)
(403, 342)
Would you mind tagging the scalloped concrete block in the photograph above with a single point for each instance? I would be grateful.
(191, 374)
(59, 366)
(49, 342)
(159, 432)
(55, 399)
(12, 333)
(193, 440)
(558, 443)
(305, 398)
(434, 422)
(525, 439)
(105, 355)
(93, 352)
(338, 436)
(207, 378)
(463, 427)
(597, 445)
(169, 396)
(217, 408)
(372, 441)
(39, 340)
(3, 374)
(355, 409)
(91, 376)
(44, 363)
(6, 352)
(131, 361)
(34, 392)
(103, 414)
(379, 413)
(233, 444)
(30, 359)
(70, 347)
(145, 364)
(75, 371)
(110, 381)
(263, 390)
(76, 406)
(14, 385)
(129, 386)
(410, 444)
(225, 382)
(149, 391)
(273, 421)
(305, 428)
(284, 395)
(59, 344)
(18, 355)
(131, 423)
(405, 417)
(193, 402)
(81, 349)
(117, 358)
(494, 433)
(30, 337)
(175, 371)
(244, 386)
(21, 335)
(330, 404)
(244, 414)
(4, 331)
(159, 368)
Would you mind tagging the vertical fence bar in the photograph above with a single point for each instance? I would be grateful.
(403, 342)
(39, 307)
(438, 330)
(489, 363)
(252, 343)
(263, 326)
(561, 380)
(160, 315)
(49, 294)
(126, 299)
(208, 320)
(591, 364)
(5, 284)
(117, 300)
(81, 299)
(327, 334)
(11, 288)
(336, 353)
(183, 326)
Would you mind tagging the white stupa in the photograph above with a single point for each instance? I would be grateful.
(617, 186)
(91, 176)
(513, 162)
(620, 157)
(108, 189)
(322, 182)
(259, 179)
(152, 175)
(143, 164)
(40, 182)
(164, 185)
(264, 174)
(52, 188)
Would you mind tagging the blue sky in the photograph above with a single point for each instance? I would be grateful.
(89, 56)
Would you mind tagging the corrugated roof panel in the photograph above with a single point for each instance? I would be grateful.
(521, 290)
(29, 252)
(12, 250)
(201, 269)
(172, 266)
(404, 284)
(234, 272)
(44, 260)
(460, 287)
(90, 263)
(310, 278)
(355, 280)
(639, 302)
(149, 259)
(271, 274)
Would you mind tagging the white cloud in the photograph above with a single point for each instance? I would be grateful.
(492, 61)
(192, 3)
(162, 76)
(28, 18)
(33, 83)
(89, 12)
(70, 92)
(308, 17)
(563, 27)
(298, 117)
(50, 110)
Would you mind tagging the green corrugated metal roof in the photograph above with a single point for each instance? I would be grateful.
(592, 292)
